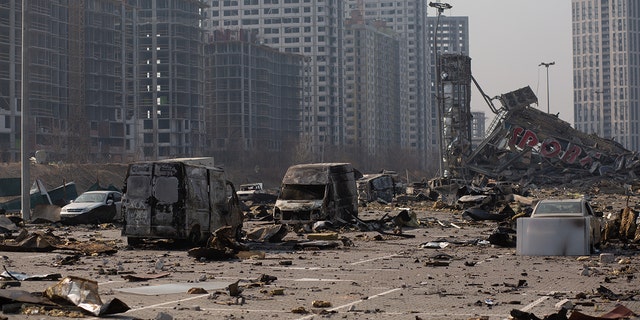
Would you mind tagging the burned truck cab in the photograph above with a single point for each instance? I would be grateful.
(318, 191)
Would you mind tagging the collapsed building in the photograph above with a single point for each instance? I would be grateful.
(523, 144)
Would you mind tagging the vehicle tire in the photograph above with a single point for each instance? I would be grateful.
(594, 246)
(132, 241)
(239, 233)
(195, 236)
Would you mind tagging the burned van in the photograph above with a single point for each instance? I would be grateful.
(182, 199)
(376, 187)
(316, 192)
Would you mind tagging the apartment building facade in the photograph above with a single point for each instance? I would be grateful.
(408, 18)
(606, 66)
(312, 28)
(170, 112)
(76, 78)
(372, 76)
(253, 95)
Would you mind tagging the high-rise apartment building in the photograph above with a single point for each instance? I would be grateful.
(606, 65)
(312, 28)
(408, 18)
(100, 41)
(372, 73)
(253, 95)
(48, 76)
(170, 65)
(76, 78)
(10, 74)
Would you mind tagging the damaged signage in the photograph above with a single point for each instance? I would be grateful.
(527, 143)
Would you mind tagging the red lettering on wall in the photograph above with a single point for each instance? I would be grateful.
(586, 161)
(529, 138)
(550, 148)
(514, 136)
(571, 154)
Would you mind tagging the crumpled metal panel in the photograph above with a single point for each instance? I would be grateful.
(84, 294)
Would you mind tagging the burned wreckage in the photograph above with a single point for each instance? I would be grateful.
(523, 144)
(529, 144)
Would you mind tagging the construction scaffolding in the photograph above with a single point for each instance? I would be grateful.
(454, 100)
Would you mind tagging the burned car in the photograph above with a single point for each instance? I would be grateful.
(93, 207)
(318, 191)
(249, 190)
(560, 227)
(255, 193)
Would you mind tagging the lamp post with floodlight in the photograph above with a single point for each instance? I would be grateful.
(547, 66)
(440, 7)
(25, 200)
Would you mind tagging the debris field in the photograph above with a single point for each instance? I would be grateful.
(412, 260)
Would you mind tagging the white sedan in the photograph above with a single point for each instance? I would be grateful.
(93, 207)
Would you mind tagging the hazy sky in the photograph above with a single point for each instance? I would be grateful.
(509, 39)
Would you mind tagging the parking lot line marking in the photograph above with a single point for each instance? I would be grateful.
(374, 259)
(168, 302)
(355, 302)
(318, 280)
(535, 303)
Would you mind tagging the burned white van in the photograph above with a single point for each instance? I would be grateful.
(182, 199)
(316, 192)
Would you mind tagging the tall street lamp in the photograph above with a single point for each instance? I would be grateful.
(25, 179)
(440, 7)
(547, 66)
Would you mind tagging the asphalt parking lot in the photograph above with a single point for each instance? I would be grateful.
(368, 276)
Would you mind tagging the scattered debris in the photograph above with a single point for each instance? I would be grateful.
(83, 293)
(268, 233)
(171, 288)
(19, 276)
(145, 277)
(47, 242)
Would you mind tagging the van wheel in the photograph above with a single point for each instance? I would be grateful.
(239, 233)
(195, 237)
(595, 247)
(133, 241)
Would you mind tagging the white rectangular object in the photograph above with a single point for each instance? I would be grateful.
(553, 236)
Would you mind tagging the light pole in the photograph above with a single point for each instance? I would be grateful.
(25, 179)
(547, 66)
(440, 7)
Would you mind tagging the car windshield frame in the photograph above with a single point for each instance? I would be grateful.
(552, 208)
(92, 197)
